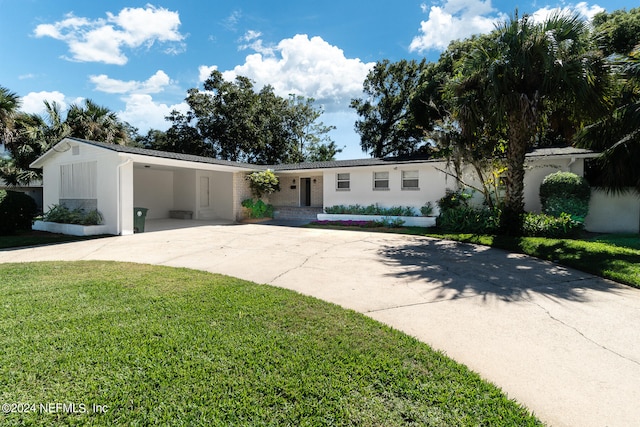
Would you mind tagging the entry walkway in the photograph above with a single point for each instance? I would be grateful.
(563, 343)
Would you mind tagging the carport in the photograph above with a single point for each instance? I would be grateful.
(115, 179)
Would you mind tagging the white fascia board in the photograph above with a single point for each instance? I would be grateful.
(185, 164)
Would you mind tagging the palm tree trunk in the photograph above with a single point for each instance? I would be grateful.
(511, 218)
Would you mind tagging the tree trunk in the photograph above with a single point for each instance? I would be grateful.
(511, 218)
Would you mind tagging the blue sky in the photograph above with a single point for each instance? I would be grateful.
(140, 58)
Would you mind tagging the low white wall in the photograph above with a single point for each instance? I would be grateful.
(71, 229)
(411, 221)
(613, 213)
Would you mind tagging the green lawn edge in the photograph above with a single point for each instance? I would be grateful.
(157, 345)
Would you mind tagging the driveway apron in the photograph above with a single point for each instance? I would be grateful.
(563, 343)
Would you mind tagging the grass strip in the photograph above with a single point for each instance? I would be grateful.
(165, 346)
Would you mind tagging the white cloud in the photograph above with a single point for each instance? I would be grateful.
(204, 71)
(583, 9)
(453, 20)
(33, 102)
(231, 22)
(253, 41)
(144, 113)
(307, 67)
(102, 40)
(153, 84)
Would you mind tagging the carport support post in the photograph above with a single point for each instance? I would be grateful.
(124, 198)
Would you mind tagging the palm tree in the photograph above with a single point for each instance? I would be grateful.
(56, 128)
(9, 104)
(94, 122)
(522, 68)
(27, 143)
(617, 135)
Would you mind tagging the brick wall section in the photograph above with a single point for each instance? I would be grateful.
(316, 191)
(288, 196)
(241, 191)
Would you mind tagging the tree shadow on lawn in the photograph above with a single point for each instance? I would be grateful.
(452, 270)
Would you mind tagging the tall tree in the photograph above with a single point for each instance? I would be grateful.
(9, 106)
(94, 122)
(525, 66)
(617, 32)
(313, 142)
(617, 135)
(231, 120)
(387, 126)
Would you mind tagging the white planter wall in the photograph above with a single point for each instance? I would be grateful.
(71, 229)
(411, 221)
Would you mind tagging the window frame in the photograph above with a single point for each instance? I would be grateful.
(377, 180)
(343, 181)
(404, 180)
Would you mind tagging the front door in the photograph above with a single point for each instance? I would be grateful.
(305, 191)
(204, 191)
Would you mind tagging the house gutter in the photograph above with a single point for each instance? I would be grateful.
(118, 201)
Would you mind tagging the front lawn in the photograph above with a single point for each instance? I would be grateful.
(132, 344)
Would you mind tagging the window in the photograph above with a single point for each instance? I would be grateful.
(410, 180)
(381, 180)
(343, 181)
(78, 181)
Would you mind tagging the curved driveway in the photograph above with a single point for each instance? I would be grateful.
(563, 343)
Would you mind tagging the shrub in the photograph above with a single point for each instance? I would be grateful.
(371, 210)
(392, 222)
(17, 211)
(257, 208)
(426, 209)
(454, 199)
(543, 225)
(565, 192)
(467, 219)
(263, 183)
(64, 215)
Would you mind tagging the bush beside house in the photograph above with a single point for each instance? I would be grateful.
(565, 192)
(17, 211)
(262, 184)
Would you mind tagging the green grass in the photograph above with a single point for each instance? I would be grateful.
(165, 346)
(35, 238)
(615, 257)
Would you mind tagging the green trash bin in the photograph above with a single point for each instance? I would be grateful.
(139, 216)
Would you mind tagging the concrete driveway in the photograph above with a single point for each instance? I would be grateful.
(563, 343)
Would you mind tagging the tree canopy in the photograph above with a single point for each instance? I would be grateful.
(617, 32)
(387, 126)
(233, 121)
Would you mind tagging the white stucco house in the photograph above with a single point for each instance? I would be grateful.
(114, 179)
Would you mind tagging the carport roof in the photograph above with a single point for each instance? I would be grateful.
(166, 154)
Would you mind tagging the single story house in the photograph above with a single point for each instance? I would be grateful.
(114, 179)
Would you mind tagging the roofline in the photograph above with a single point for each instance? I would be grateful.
(284, 168)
